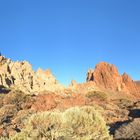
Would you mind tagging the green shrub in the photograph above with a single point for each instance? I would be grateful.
(77, 123)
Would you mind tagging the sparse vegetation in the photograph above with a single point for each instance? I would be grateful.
(17, 98)
(76, 123)
(97, 94)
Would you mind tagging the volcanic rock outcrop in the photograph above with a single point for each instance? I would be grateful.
(107, 76)
(20, 75)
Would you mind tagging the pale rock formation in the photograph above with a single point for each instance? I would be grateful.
(73, 83)
(20, 75)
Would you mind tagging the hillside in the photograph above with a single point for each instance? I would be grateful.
(32, 97)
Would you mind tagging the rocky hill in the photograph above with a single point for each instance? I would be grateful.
(107, 76)
(38, 97)
(20, 75)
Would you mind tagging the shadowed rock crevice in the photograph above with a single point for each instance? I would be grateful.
(117, 125)
(130, 130)
(134, 113)
(4, 90)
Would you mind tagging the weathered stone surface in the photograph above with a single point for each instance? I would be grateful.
(20, 75)
(107, 76)
(73, 83)
(51, 101)
(129, 131)
(130, 84)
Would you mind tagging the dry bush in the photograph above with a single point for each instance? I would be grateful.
(97, 94)
(77, 123)
(16, 98)
(1, 100)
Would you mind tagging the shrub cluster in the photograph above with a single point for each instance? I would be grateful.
(97, 94)
(17, 98)
(77, 123)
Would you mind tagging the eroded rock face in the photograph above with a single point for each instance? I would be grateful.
(107, 76)
(21, 75)
(130, 84)
(73, 83)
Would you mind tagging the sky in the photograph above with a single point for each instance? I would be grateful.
(71, 36)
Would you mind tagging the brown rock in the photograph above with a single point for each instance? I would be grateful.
(90, 76)
(107, 76)
(50, 101)
(130, 84)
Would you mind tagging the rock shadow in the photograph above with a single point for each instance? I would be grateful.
(4, 90)
(117, 125)
(134, 113)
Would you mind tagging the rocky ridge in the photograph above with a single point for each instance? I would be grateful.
(20, 75)
(107, 76)
(105, 88)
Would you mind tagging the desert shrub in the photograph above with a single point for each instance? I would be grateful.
(77, 123)
(6, 113)
(97, 94)
(17, 98)
(1, 99)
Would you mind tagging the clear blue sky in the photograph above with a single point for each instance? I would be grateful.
(70, 36)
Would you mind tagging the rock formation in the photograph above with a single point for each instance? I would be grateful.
(73, 83)
(120, 111)
(21, 75)
(130, 84)
(107, 76)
